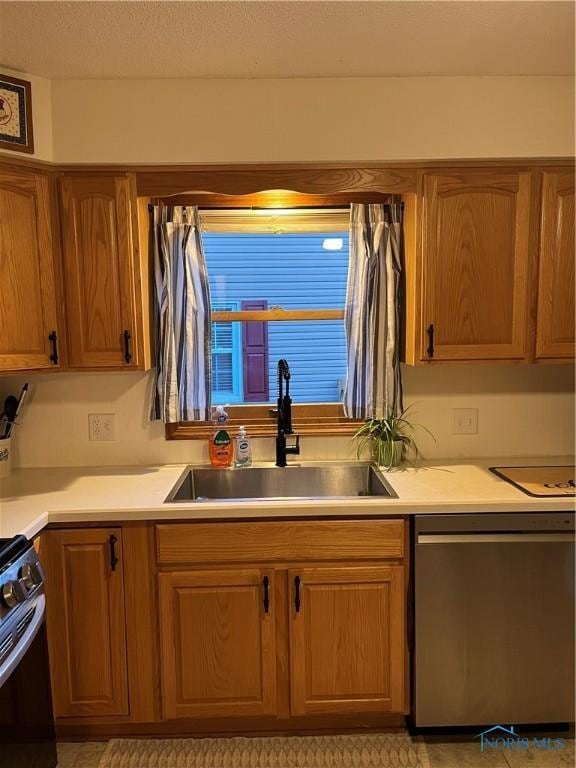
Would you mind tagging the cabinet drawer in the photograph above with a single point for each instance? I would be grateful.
(279, 541)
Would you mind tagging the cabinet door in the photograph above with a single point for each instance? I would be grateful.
(217, 643)
(555, 328)
(476, 254)
(347, 640)
(86, 621)
(99, 265)
(27, 281)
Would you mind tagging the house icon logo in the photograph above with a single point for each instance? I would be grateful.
(497, 737)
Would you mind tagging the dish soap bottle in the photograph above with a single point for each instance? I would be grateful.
(243, 453)
(220, 446)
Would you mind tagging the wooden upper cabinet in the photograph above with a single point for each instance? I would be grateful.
(86, 621)
(476, 258)
(347, 639)
(28, 316)
(100, 271)
(218, 643)
(555, 335)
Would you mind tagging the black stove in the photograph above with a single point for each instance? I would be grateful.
(21, 579)
(26, 721)
(12, 548)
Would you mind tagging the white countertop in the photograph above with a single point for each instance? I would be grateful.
(30, 499)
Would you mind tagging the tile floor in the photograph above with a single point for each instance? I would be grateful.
(443, 754)
(466, 754)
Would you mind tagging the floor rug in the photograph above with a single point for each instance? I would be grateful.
(386, 750)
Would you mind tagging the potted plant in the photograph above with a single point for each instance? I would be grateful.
(389, 438)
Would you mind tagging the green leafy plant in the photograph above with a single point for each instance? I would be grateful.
(390, 438)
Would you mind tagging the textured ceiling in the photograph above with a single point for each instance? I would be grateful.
(302, 38)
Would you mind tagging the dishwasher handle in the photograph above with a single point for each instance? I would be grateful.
(494, 538)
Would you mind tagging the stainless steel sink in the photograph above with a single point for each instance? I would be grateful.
(305, 481)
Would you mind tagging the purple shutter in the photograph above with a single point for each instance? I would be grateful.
(255, 355)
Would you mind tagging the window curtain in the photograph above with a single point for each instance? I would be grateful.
(182, 387)
(372, 315)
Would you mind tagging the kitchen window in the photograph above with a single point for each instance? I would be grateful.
(278, 289)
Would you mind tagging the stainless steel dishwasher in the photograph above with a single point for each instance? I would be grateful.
(493, 629)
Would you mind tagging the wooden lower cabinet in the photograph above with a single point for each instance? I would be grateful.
(347, 642)
(346, 635)
(86, 621)
(154, 641)
(217, 643)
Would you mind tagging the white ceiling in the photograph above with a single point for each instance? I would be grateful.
(302, 38)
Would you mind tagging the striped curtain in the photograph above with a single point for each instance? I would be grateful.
(372, 315)
(182, 388)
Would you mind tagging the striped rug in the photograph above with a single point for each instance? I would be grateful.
(388, 750)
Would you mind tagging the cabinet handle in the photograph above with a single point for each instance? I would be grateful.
(53, 337)
(431, 340)
(266, 584)
(297, 594)
(113, 559)
(127, 353)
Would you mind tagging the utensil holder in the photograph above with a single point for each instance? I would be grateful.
(5, 457)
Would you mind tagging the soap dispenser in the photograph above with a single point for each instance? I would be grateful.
(243, 453)
(220, 446)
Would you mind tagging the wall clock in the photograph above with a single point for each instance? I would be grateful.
(15, 115)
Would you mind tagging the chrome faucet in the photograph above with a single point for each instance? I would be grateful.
(284, 416)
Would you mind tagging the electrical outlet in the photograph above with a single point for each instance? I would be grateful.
(101, 426)
(464, 421)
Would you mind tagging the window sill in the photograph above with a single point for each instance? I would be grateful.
(307, 420)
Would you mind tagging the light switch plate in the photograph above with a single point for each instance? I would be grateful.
(464, 421)
(101, 426)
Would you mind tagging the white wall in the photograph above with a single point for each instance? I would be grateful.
(339, 119)
(41, 116)
(523, 410)
(343, 119)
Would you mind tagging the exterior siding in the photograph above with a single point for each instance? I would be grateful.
(295, 272)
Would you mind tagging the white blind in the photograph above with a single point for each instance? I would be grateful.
(276, 220)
